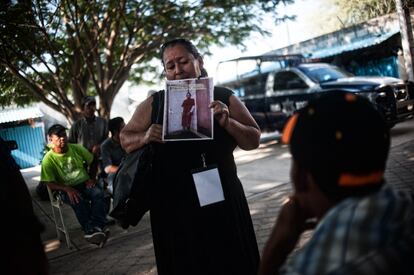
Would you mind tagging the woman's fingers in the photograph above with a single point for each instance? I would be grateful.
(221, 112)
(154, 133)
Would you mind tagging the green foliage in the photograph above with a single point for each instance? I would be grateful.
(58, 51)
(356, 11)
(12, 91)
(337, 14)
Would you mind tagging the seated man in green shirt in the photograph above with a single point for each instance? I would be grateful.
(64, 169)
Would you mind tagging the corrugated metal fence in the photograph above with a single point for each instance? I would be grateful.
(30, 142)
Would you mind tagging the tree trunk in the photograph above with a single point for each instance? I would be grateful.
(105, 104)
(407, 40)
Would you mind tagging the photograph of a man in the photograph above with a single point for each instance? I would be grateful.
(187, 115)
(188, 110)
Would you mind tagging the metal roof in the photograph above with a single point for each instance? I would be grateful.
(19, 113)
(352, 46)
(267, 58)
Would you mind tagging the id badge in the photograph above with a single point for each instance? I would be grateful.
(208, 185)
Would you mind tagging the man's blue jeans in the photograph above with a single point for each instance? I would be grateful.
(90, 211)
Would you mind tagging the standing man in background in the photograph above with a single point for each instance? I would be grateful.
(89, 131)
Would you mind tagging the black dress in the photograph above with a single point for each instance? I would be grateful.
(188, 239)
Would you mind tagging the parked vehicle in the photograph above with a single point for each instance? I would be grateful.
(272, 97)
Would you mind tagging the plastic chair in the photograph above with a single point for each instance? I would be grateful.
(57, 204)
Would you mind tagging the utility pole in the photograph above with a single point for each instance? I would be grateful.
(407, 40)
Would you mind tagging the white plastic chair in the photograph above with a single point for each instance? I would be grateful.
(57, 204)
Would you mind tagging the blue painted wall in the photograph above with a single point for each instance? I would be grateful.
(30, 142)
(380, 67)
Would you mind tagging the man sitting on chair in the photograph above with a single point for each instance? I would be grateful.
(64, 168)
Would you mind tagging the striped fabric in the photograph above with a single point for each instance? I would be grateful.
(372, 235)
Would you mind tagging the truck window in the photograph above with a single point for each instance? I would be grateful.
(288, 81)
(248, 86)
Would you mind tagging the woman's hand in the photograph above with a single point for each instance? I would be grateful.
(221, 112)
(153, 134)
(238, 122)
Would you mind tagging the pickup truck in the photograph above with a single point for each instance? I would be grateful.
(272, 97)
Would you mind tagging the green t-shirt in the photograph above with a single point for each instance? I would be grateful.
(67, 168)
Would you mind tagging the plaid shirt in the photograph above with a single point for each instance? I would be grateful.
(370, 235)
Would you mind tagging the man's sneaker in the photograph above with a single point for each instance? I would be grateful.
(107, 233)
(104, 230)
(97, 237)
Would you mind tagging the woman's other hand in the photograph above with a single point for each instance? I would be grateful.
(221, 112)
(238, 122)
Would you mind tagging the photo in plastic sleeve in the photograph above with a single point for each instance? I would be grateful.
(186, 112)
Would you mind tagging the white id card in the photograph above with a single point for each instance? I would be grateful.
(208, 186)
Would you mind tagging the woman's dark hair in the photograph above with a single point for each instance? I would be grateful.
(188, 45)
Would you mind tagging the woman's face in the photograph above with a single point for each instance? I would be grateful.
(181, 64)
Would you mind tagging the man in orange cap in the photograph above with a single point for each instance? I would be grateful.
(339, 145)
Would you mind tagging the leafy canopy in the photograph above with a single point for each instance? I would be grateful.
(58, 51)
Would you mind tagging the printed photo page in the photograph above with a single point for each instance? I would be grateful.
(186, 112)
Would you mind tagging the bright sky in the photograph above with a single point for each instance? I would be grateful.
(283, 35)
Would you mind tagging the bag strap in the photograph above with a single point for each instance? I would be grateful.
(157, 114)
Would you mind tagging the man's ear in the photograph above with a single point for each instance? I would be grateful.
(320, 203)
(300, 177)
(311, 185)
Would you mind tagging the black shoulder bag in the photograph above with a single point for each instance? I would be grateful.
(133, 181)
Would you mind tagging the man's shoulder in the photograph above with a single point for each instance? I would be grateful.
(78, 121)
(107, 143)
(76, 147)
(48, 155)
(101, 120)
(50, 158)
(79, 150)
(77, 124)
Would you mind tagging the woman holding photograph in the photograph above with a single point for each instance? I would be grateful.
(191, 237)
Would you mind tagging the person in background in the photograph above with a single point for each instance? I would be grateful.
(188, 110)
(22, 247)
(339, 145)
(111, 151)
(64, 169)
(193, 232)
(89, 131)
